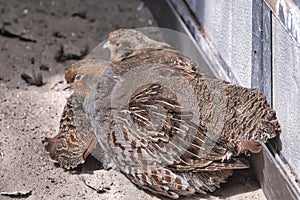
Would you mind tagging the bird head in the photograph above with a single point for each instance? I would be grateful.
(124, 43)
(81, 75)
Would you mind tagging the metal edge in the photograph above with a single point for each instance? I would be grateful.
(271, 174)
(261, 72)
(167, 17)
(216, 63)
(288, 14)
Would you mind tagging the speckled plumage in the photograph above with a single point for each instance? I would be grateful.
(226, 120)
(75, 139)
(72, 144)
(163, 123)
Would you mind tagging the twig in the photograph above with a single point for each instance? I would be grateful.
(23, 193)
(7, 33)
(98, 190)
(35, 80)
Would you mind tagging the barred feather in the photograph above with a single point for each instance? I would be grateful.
(164, 124)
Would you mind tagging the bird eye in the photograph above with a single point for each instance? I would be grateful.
(117, 44)
(77, 77)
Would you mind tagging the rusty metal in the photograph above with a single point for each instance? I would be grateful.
(288, 13)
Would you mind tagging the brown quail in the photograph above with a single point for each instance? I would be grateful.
(163, 123)
(158, 117)
(75, 139)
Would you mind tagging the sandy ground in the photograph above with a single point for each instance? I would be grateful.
(29, 113)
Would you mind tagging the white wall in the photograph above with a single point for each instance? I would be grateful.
(229, 25)
(286, 92)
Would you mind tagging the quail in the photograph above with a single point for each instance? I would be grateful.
(158, 118)
(75, 139)
(164, 124)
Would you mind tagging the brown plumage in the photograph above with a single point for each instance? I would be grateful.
(122, 45)
(156, 133)
(72, 144)
(163, 123)
(75, 139)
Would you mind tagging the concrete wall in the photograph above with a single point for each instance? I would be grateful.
(229, 25)
(286, 92)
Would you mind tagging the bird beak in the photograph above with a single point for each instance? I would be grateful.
(65, 86)
(106, 45)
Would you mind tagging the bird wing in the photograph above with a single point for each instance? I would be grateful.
(249, 120)
(160, 106)
(152, 114)
(75, 139)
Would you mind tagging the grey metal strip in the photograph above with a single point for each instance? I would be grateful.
(261, 76)
(271, 174)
